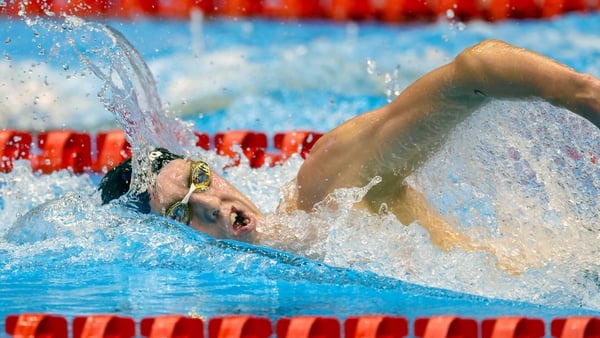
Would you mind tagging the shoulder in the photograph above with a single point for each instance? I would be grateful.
(342, 158)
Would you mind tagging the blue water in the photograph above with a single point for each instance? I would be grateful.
(72, 256)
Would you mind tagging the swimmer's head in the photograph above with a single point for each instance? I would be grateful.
(191, 193)
(117, 181)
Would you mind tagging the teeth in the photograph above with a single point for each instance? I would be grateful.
(238, 220)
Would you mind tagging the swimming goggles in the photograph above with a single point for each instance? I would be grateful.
(200, 179)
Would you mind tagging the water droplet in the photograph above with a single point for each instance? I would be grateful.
(371, 66)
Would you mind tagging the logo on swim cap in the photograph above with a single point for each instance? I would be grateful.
(154, 154)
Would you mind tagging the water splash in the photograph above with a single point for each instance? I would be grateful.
(130, 93)
(525, 192)
(128, 90)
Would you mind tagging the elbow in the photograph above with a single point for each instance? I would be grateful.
(475, 59)
(475, 68)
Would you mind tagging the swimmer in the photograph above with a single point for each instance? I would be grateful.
(390, 142)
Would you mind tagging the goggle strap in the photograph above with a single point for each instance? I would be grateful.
(186, 199)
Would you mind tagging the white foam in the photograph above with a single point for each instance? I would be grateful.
(532, 214)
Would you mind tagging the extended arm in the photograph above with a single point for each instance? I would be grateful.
(396, 139)
(500, 70)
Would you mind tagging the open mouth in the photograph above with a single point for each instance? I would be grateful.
(240, 222)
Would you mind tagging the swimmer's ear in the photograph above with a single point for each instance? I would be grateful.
(116, 182)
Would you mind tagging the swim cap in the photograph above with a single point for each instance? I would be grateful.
(117, 181)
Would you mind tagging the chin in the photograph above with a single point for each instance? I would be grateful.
(248, 238)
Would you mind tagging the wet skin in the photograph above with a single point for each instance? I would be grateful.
(221, 211)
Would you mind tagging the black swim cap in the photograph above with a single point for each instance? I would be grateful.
(116, 182)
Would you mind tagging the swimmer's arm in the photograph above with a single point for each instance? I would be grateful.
(497, 69)
(420, 118)
(401, 136)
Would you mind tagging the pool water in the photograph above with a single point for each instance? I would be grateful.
(506, 177)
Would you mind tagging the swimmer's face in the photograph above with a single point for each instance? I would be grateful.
(219, 209)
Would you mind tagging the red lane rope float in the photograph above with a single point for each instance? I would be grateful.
(43, 325)
(376, 326)
(446, 326)
(29, 325)
(292, 9)
(112, 149)
(65, 149)
(240, 8)
(239, 326)
(33, 7)
(99, 326)
(172, 326)
(575, 327)
(463, 9)
(203, 140)
(253, 145)
(405, 10)
(62, 149)
(80, 7)
(293, 142)
(350, 10)
(308, 327)
(14, 145)
(557, 7)
(506, 327)
(386, 10)
(513, 9)
(172, 9)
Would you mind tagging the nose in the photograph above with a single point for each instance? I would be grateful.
(205, 206)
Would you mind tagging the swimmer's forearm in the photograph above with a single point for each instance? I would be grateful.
(500, 70)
